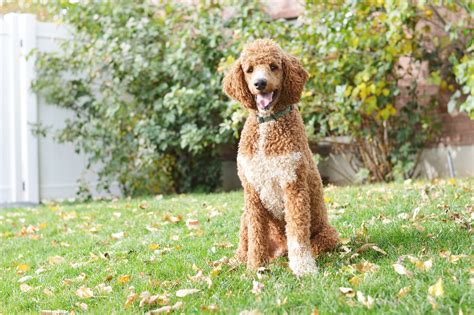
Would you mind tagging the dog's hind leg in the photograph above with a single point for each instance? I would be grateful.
(326, 239)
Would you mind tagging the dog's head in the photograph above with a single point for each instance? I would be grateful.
(265, 78)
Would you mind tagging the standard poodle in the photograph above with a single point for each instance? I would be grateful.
(284, 205)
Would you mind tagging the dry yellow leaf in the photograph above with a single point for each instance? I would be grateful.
(25, 288)
(424, 265)
(436, 289)
(166, 309)
(404, 291)
(401, 270)
(118, 236)
(365, 266)
(153, 246)
(103, 289)
(48, 292)
(84, 293)
(54, 260)
(455, 258)
(130, 299)
(55, 312)
(24, 279)
(349, 292)
(82, 306)
(355, 280)
(185, 292)
(192, 223)
(344, 240)
(366, 301)
(22, 268)
(432, 301)
(123, 279)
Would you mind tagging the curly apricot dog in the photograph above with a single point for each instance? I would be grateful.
(284, 204)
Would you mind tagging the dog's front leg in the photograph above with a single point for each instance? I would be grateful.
(257, 254)
(242, 250)
(298, 222)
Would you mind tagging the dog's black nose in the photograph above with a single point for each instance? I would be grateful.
(260, 84)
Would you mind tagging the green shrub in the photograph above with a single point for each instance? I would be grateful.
(144, 83)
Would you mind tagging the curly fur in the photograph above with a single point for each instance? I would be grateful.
(284, 204)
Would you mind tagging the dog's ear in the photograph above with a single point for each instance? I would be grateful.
(295, 77)
(236, 87)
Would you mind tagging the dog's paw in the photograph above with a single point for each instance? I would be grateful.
(302, 265)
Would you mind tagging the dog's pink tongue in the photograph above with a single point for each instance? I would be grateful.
(263, 100)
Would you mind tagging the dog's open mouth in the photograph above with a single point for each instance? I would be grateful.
(264, 101)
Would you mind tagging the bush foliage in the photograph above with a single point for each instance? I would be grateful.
(144, 83)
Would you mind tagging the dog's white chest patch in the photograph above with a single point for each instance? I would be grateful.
(269, 174)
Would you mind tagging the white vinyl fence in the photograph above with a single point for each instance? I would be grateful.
(31, 169)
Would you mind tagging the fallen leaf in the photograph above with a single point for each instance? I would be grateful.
(82, 306)
(48, 292)
(210, 308)
(401, 270)
(415, 212)
(118, 236)
(25, 288)
(455, 258)
(378, 249)
(153, 246)
(24, 279)
(166, 309)
(81, 277)
(344, 241)
(55, 312)
(84, 293)
(148, 299)
(349, 292)
(424, 265)
(225, 245)
(55, 260)
(185, 292)
(123, 279)
(192, 224)
(432, 301)
(131, 298)
(173, 219)
(103, 289)
(355, 280)
(366, 301)
(436, 289)
(365, 266)
(257, 287)
(22, 268)
(404, 291)
(368, 246)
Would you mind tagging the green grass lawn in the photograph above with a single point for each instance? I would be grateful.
(56, 257)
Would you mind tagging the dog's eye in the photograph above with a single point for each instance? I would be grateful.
(250, 70)
(273, 67)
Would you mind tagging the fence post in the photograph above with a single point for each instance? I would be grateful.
(28, 107)
(22, 107)
(12, 96)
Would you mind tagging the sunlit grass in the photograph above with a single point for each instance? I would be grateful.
(159, 245)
